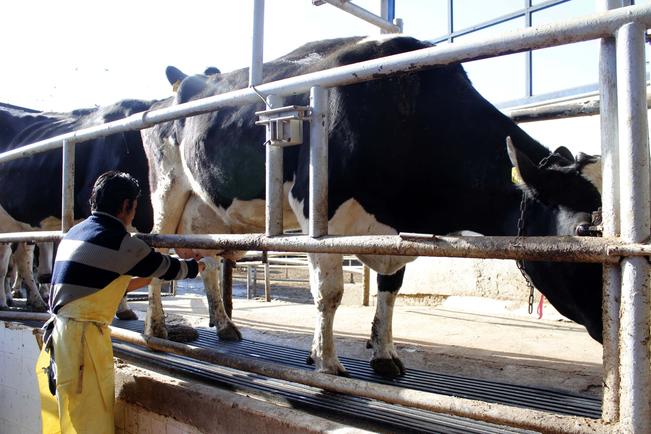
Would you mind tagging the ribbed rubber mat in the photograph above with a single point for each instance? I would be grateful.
(481, 390)
(377, 416)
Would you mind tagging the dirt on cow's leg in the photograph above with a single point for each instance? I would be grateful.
(226, 329)
(155, 320)
(327, 286)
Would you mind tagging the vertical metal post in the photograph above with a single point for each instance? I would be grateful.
(318, 162)
(450, 20)
(366, 282)
(267, 277)
(528, 63)
(635, 411)
(255, 72)
(227, 285)
(610, 214)
(274, 179)
(68, 186)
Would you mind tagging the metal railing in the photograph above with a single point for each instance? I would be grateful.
(628, 26)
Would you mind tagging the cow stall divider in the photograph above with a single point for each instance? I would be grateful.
(623, 33)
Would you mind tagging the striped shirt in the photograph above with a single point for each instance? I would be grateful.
(99, 250)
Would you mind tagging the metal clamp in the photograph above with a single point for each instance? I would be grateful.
(285, 124)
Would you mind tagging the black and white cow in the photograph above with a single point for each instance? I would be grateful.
(420, 152)
(31, 195)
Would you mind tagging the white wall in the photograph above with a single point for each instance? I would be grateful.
(19, 400)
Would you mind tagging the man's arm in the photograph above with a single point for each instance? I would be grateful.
(150, 263)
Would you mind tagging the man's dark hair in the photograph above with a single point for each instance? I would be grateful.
(110, 191)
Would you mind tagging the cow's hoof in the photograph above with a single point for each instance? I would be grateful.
(156, 330)
(4, 307)
(369, 344)
(229, 333)
(182, 333)
(339, 371)
(389, 368)
(309, 360)
(126, 315)
(37, 306)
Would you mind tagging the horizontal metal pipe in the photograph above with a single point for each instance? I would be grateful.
(570, 109)
(563, 249)
(566, 32)
(365, 15)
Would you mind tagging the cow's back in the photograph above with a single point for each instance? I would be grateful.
(32, 186)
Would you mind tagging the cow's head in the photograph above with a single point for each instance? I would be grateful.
(565, 192)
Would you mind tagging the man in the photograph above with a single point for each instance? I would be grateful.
(93, 269)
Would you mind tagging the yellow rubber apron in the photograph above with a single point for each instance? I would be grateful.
(84, 359)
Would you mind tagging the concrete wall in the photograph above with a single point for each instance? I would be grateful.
(430, 279)
(19, 399)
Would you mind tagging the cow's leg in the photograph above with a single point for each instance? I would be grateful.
(385, 360)
(226, 329)
(124, 312)
(5, 293)
(44, 271)
(25, 262)
(15, 282)
(327, 286)
(169, 193)
(155, 319)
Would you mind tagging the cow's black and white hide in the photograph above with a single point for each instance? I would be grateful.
(31, 197)
(420, 152)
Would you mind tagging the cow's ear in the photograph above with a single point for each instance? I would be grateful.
(175, 76)
(212, 70)
(529, 172)
(565, 153)
(190, 87)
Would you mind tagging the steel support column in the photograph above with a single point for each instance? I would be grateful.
(255, 72)
(318, 162)
(610, 213)
(274, 179)
(635, 412)
(68, 186)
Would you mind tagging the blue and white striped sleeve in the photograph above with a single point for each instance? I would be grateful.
(149, 263)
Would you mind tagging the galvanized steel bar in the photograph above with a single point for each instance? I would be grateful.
(635, 316)
(576, 30)
(365, 15)
(274, 179)
(559, 249)
(318, 224)
(255, 71)
(607, 104)
(68, 186)
(567, 249)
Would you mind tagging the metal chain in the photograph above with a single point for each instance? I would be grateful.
(519, 263)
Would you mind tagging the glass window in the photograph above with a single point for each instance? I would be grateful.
(423, 19)
(468, 13)
(565, 66)
(498, 79)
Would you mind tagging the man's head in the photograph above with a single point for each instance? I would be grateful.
(116, 193)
